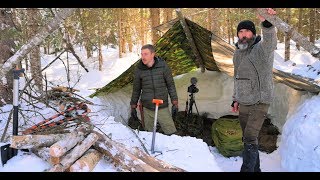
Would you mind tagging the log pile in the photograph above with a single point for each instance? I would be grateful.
(81, 149)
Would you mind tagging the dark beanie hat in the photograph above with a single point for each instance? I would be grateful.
(246, 24)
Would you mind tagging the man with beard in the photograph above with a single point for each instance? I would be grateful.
(253, 84)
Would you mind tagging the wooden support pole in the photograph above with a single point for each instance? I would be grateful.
(190, 39)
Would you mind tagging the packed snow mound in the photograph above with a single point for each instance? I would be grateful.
(300, 138)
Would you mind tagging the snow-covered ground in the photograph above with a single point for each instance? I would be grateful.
(299, 145)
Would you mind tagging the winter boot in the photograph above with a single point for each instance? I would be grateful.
(257, 166)
(249, 156)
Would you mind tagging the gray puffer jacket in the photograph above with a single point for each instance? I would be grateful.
(253, 76)
(153, 83)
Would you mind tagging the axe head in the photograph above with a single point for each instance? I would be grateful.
(7, 153)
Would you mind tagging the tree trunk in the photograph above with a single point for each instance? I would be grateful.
(228, 26)
(298, 38)
(312, 20)
(190, 39)
(68, 45)
(35, 141)
(155, 21)
(299, 24)
(142, 26)
(129, 36)
(86, 40)
(215, 24)
(317, 23)
(124, 31)
(76, 152)
(210, 19)
(87, 162)
(36, 40)
(120, 34)
(35, 63)
(6, 47)
(167, 14)
(100, 46)
(231, 26)
(280, 35)
(287, 37)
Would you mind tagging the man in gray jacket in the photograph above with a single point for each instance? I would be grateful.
(153, 80)
(253, 84)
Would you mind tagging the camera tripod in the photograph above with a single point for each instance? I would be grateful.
(192, 102)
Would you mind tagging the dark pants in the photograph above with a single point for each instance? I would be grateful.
(251, 119)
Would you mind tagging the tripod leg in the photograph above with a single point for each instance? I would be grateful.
(190, 108)
(196, 108)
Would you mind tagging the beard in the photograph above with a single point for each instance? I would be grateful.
(245, 42)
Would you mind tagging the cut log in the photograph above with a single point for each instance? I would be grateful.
(123, 157)
(35, 141)
(76, 152)
(156, 163)
(42, 153)
(295, 36)
(57, 168)
(87, 162)
(54, 160)
(59, 148)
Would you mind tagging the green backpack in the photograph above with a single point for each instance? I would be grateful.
(227, 136)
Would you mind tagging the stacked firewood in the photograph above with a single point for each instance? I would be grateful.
(81, 150)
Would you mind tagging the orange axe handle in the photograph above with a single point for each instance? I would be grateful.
(157, 102)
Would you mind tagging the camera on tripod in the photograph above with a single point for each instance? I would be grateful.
(192, 88)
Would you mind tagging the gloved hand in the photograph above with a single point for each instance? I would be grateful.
(235, 106)
(134, 112)
(174, 109)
